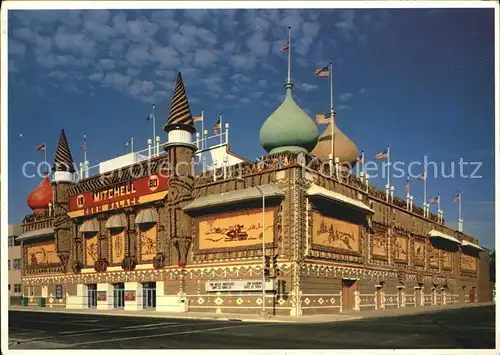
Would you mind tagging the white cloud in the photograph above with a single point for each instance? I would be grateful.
(117, 80)
(345, 96)
(242, 61)
(138, 55)
(258, 45)
(308, 87)
(204, 57)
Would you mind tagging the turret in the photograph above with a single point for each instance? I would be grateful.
(64, 170)
(180, 150)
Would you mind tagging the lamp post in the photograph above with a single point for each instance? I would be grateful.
(263, 311)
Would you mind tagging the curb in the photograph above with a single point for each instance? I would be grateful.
(180, 316)
(249, 320)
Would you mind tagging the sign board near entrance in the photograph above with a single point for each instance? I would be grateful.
(101, 295)
(130, 295)
(239, 285)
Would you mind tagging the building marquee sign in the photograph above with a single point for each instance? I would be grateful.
(239, 285)
(134, 192)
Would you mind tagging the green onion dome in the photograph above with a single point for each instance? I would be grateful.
(288, 128)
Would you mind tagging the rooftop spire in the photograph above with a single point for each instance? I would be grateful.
(63, 161)
(179, 115)
(289, 81)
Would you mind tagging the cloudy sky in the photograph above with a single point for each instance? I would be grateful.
(420, 80)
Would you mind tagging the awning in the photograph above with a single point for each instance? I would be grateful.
(36, 234)
(148, 215)
(89, 226)
(237, 196)
(466, 243)
(319, 191)
(116, 221)
(437, 234)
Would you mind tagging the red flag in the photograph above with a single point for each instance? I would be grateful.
(457, 197)
(41, 147)
(286, 46)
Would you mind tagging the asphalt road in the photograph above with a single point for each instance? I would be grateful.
(457, 328)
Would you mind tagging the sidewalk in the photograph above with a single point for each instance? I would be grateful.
(322, 318)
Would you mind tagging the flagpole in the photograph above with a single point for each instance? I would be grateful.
(388, 166)
(84, 156)
(202, 128)
(154, 129)
(132, 144)
(45, 152)
(363, 162)
(460, 222)
(425, 187)
(332, 112)
(289, 52)
(220, 128)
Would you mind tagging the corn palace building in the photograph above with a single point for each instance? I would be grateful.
(166, 231)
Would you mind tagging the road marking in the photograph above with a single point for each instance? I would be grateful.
(63, 322)
(172, 325)
(166, 334)
(86, 332)
(26, 330)
(83, 331)
(148, 325)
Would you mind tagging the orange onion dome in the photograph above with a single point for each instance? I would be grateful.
(41, 196)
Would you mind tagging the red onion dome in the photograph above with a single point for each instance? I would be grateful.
(41, 196)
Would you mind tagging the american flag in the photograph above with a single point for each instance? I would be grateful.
(217, 126)
(435, 199)
(361, 158)
(286, 46)
(322, 118)
(457, 197)
(324, 72)
(382, 155)
(198, 118)
(41, 147)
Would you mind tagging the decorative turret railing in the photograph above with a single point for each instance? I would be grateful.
(203, 143)
(38, 221)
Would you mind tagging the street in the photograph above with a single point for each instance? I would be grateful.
(455, 328)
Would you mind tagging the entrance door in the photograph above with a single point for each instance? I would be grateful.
(119, 295)
(348, 288)
(418, 296)
(400, 297)
(92, 295)
(472, 295)
(149, 295)
(378, 299)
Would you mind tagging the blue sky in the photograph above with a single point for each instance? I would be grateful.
(421, 80)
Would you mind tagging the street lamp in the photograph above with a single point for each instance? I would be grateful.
(263, 311)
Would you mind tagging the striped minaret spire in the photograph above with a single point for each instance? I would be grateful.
(63, 161)
(179, 115)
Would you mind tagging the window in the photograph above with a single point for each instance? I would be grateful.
(9, 264)
(11, 241)
(17, 288)
(59, 291)
(16, 264)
